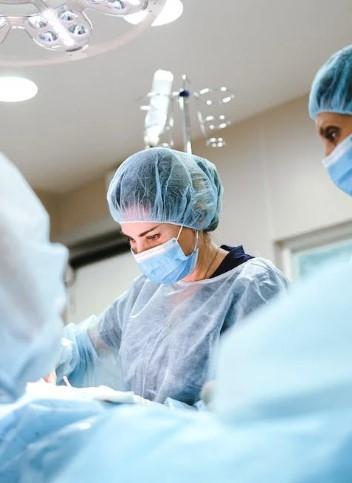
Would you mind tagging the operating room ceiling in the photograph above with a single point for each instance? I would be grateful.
(85, 118)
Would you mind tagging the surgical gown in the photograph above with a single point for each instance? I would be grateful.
(163, 338)
(282, 409)
(32, 297)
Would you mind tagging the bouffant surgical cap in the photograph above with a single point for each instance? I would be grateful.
(166, 186)
(332, 86)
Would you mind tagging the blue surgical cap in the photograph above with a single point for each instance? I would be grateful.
(166, 186)
(332, 86)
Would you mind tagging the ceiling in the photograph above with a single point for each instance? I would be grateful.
(85, 118)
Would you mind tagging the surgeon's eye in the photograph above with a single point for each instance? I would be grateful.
(331, 133)
(154, 237)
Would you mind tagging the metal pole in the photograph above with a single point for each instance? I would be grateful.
(184, 96)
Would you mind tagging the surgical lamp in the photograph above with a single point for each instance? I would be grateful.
(67, 30)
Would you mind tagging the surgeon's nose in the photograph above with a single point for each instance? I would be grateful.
(139, 246)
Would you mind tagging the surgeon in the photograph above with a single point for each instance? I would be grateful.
(330, 106)
(32, 298)
(164, 330)
(282, 407)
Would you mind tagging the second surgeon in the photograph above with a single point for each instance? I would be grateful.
(164, 330)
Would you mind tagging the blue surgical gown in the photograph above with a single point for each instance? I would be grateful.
(161, 339)
(32, 423)
(282, 408)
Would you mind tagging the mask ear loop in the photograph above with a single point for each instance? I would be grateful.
(179, 233)
(197, 240)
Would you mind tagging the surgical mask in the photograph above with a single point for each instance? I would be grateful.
(167, 263)
(339, 165)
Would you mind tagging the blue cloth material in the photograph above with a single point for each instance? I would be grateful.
(166, 186)
(331, 89)
(34, 434)
(339, 165)
(282, 411)
(165, 338)
(80, 361)
(32, 297)
(304, 365)
(284, 416)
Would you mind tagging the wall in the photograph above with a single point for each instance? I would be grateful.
(98, 284)
(275, 184)
(275, 189)
(78, 210)
(51, 203)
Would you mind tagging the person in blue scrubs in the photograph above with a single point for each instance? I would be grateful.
(161, 335)
(32, 298)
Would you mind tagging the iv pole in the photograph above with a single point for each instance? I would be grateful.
(184, 96)
(158, 119)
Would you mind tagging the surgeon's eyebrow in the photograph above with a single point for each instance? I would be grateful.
(145, 232)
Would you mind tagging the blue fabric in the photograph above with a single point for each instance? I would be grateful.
(32, 297)
(339, 165)
(34, 442)
(331, 89)
(164, 338)
(282, 411)
(295, 354)
(167, 186)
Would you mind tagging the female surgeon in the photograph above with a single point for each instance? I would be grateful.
(162, 333)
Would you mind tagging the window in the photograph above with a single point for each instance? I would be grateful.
(300, 256)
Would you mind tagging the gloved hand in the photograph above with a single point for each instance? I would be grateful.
(99, 393)
(207, 393)
(50, 378)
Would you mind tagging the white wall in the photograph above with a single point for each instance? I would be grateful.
(275, 184)
(97, 285)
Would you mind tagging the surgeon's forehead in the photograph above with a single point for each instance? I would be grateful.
(138, 229)
(331, 118)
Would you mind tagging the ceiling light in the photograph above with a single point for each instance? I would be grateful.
(172, 10)
(216, 142)
(64, 26)
(16, 89)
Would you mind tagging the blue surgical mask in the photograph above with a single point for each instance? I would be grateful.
(167, 263)
(339, 165)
